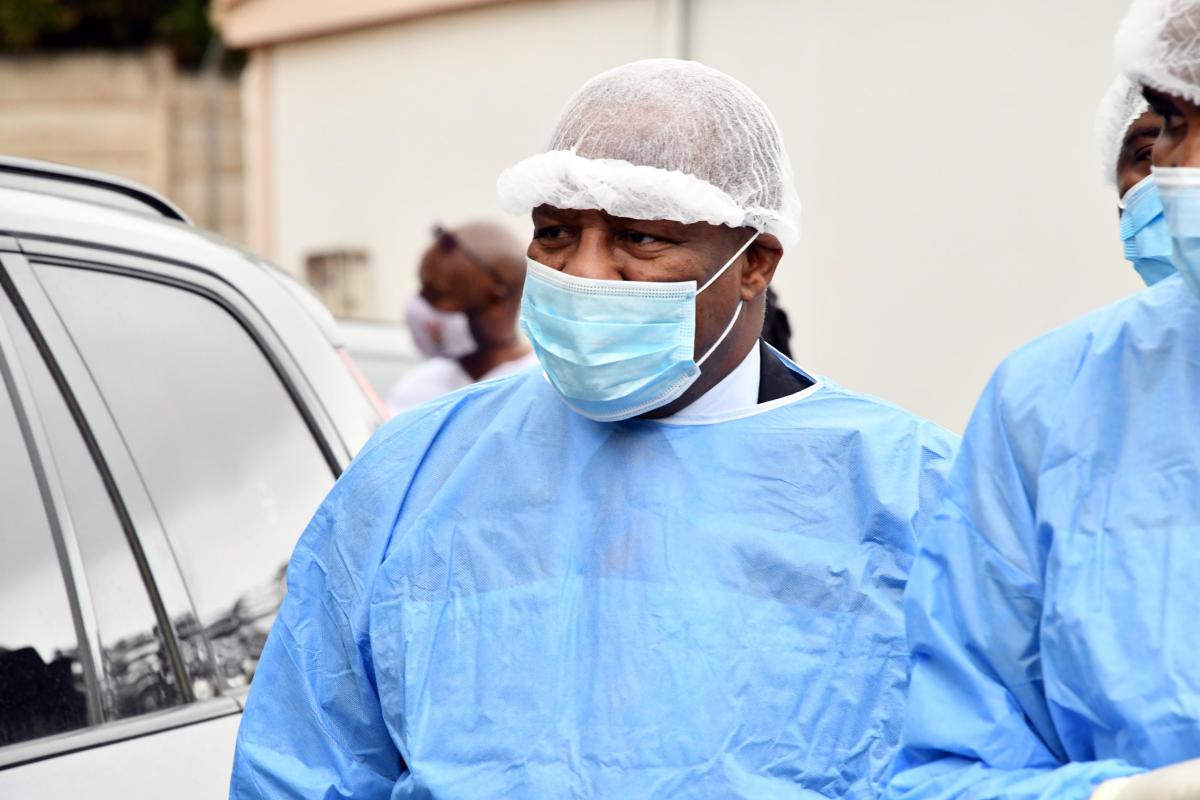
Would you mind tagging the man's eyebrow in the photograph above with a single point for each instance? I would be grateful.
(1135, 133)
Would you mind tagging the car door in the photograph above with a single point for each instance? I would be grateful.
(188, 456)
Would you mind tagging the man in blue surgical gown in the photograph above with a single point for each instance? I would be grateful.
(668, 563)
(1054, 613)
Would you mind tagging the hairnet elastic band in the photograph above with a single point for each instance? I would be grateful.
(564, 179)
(729, 263)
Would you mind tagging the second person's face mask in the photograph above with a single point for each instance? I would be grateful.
(1179, 188)
(437, 333)
(1144, 232)
(616, 349)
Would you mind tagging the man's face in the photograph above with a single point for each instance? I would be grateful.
(1133, 162)
(595, 244)
(1178, 144)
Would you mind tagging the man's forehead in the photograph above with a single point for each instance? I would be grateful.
(1148, 124)
(572, 215)
(1167, 99)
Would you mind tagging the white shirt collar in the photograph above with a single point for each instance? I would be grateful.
(737, 391)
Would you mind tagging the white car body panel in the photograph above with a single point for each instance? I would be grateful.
(186, 763)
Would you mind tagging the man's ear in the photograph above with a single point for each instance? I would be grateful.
(762, 258)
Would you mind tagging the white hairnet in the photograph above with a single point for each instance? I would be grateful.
(1122, 104)
(663, 139)
(1158, 46)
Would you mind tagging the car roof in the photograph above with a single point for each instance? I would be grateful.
(54, 228)
(87, 185)
(43, 222)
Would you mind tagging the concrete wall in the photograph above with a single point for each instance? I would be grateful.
(943, 152)
(132, 115)
(376, 135)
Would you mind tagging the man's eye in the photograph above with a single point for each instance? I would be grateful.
(550, 232)
(633, 237)
(1144, 154)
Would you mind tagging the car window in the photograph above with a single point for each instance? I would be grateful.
(42, 689)
(136, 677)
(231, 466)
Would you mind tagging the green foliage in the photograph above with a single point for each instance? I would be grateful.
(23, 23)
(181, 25)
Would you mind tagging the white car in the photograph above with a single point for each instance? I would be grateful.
(172, 411)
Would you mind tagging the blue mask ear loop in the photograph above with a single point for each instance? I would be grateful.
(737, 313)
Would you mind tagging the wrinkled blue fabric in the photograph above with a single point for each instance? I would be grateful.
(613, 349)
(1053, 609)
(616, 349)
(502, 598)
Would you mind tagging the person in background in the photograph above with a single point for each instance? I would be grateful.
(668, 566)
(464, 319)
(1053, 611)
(1126, 128)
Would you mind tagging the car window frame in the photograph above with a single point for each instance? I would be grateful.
(251, 324)
(135, 507)
(195, 277)
(58, 516)
(14, 282)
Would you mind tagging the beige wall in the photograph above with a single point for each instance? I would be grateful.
(378, 134)
(132, 115)
(943, 152)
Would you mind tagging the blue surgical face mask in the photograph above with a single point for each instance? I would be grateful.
(615, 349)
(1144, 232)
(1179, 188)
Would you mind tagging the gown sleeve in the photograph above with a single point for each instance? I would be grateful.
(977, 722)
(314, 725)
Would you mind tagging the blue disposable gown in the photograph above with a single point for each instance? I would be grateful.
(501, 598)
(1054, 610)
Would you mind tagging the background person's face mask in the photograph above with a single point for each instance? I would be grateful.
(439, 333)
(1179, 189)
(1144, 232)
(616, 349)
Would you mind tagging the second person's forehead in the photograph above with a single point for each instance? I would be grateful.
(1145, 126)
